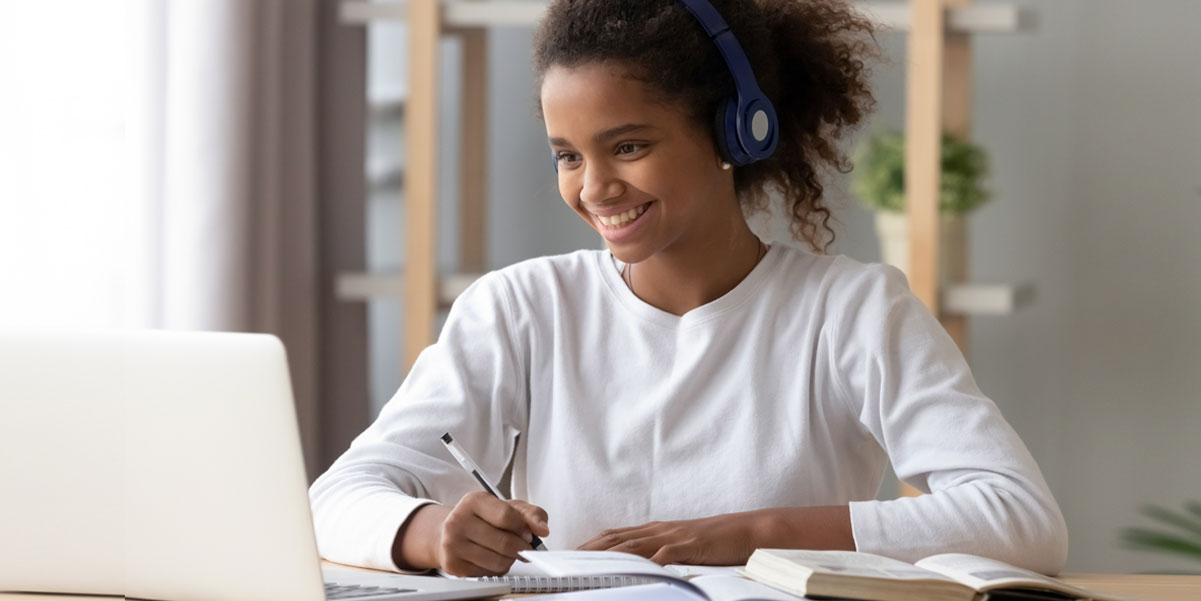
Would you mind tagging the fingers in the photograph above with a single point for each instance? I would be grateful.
(676, 553)
(535, 517)
(500, 541)
(646, 547)
(472, 560)
(602, 542)
(498, 513)
(661, 542)
(612, 538)
(649, 544)
(482, 536)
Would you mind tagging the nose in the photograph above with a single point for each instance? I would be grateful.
(600, 184)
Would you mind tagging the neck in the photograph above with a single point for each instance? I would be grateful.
(695, 272)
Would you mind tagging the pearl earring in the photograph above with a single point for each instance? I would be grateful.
(725, 166)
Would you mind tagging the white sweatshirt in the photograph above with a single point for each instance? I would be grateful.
(794, 389)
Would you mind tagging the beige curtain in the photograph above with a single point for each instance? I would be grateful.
(261, 198)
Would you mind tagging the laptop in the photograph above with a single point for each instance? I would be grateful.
(165, 465)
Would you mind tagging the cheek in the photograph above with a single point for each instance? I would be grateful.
(566, 192)
(656, 181)
(570, 194)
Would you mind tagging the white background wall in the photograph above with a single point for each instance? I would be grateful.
(1093, 123)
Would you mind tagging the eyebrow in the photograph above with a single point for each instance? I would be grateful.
(612, 132)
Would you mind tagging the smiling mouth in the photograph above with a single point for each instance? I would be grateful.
(620, 220)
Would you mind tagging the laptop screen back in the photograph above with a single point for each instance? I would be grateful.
(155, 465)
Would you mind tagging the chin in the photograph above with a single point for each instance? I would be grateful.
(628, 254)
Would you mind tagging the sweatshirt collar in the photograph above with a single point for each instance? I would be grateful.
(747, 289)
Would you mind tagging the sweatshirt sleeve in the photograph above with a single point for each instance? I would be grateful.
(910, 386)
(468, 383)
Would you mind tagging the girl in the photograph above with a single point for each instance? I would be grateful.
(692, 393)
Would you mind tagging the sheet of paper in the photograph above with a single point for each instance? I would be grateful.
(522, 568)
(519, 568)
(588, 563)
(690, 571)
(736, 588)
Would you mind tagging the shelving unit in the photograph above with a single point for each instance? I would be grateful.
(939, 97)
(463, 14)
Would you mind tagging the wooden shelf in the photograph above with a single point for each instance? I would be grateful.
(387, 100)
(384, 173)
(938, 99)
(986, 299)
(460, 15)
(990, 18)
(987, 18)
(357, 286)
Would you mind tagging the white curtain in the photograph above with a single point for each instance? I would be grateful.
(159, 167)
(74, 196)
(239, 177)
(238, 214)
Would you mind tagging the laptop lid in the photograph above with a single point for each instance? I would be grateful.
(160, 465)
(61, 470)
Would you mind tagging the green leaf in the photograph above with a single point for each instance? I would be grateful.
(1194, 507)
(1141, 538)
(878, 178)
(1181, 521)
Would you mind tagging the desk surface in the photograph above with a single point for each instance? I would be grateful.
(1147, 587)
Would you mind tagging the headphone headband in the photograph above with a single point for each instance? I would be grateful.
(719, 32)
(747, 125)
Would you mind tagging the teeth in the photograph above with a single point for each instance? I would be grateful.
(621, 219)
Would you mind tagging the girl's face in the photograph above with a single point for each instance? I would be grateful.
(637, 170)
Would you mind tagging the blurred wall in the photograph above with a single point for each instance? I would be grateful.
(1092, 123)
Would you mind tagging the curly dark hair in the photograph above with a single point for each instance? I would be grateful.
(808, 56)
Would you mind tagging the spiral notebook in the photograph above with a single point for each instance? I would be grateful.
(568, 571)
(526, 578)
(562, 584)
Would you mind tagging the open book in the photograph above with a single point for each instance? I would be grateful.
(946, 577)
(637, 577)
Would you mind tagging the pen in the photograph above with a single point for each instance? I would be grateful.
(474, 470)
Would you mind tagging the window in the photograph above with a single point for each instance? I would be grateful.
(75, 171)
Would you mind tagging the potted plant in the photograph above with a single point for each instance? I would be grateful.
(1181, 535)
(878, 180)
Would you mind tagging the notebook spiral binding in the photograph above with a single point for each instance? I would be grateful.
(552, 584)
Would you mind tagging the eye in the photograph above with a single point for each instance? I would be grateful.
(629, 147)
(564, 156)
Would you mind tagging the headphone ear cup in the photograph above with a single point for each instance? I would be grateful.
(725, 132)
(719, 134)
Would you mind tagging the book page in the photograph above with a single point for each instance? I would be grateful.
(982, 573)
(852, 563)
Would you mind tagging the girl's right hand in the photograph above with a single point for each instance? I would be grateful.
(482, 534)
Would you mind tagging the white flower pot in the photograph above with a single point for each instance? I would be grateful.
(893, 232)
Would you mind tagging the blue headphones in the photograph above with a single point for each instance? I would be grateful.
(746, 124)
